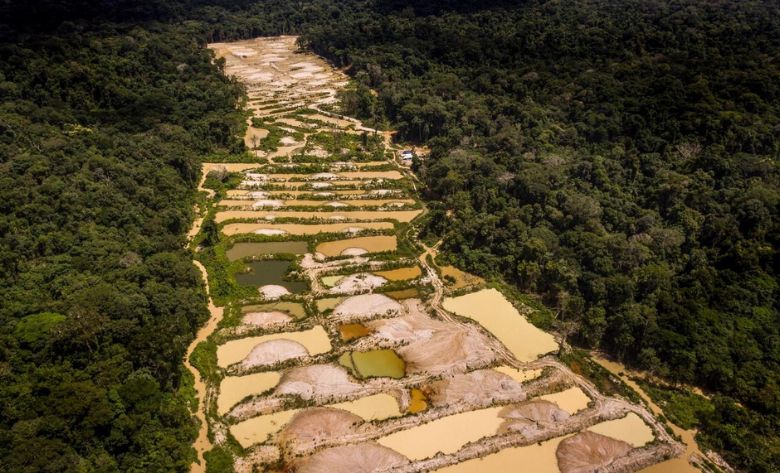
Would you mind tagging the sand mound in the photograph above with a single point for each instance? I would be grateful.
(381, 192)
(323, 175)
(318, 424)
(358, 282)
(321, 185)
(366, 457)
(447, 351)
(366, 306)
(253, 176)
(437, 347)
(353, 252)
(258, 195)
(409, 328)
(270, 231)
(336, 204)
(324, 194)
(337, 217)
(250, 184)
(318, 152)
(474, 387)
(272, 291)
(353, 230)
(316, 380)
(263, 319)
(288, 141)
(531, 416)
(273, 351)
(263, 203)
(588, 451)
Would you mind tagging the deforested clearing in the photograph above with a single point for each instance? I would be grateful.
(336, 375)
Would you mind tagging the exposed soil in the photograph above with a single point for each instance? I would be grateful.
(588, 451)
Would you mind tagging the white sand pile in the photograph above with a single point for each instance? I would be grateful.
(336, 204)
(288, 141)
(253, 176)
(337, 217)
(263, 203)
(258, 195)
(343, 166)
(318, 152)
(353, 251)
(450, 349)
(322, 176)
(270, 231)
(381, 192)
(366, 457)
(273, 351)
(272, 291)
(353, 230)
(366, 306)
(321, 185)
(265, 319)
(531, 416)
(475, 386)
(588, 451)
(433, 346)
(316, 425)
(324, 194)
(316, 380)
(358, 282)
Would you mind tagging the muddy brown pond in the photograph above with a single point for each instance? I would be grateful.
(244, 250)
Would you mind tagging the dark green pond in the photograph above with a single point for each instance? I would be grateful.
(270, 272)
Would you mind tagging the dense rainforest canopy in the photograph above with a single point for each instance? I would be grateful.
(619, 159)
(101, 128)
